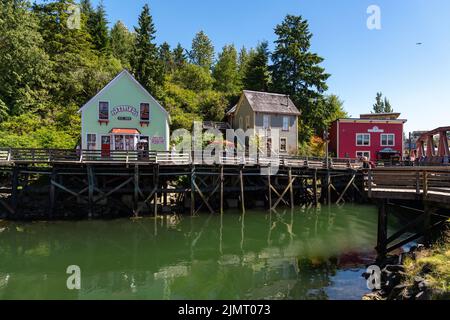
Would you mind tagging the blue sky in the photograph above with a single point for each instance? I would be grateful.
(361, 61)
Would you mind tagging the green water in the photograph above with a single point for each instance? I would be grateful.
(300, 254)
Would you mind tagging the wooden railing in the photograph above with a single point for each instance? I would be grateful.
(420, 181)
(43, 156)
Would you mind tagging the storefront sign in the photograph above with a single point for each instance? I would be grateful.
(375, 129)
(158, 140)
(125, 109)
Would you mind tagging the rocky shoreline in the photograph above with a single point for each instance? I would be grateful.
(397, 284)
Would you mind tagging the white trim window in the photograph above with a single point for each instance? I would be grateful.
(247, 122)
(285, 123)
(103, 110)
(360, 154)
(283, 144)
(91, 141)
(363, 139)
(388, 140)
(266, 121)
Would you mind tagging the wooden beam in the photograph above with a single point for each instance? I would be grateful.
(192, 189)
(117, 188)
(136, 190)
(315, 191)
(91, 183)
(52, 194)
(203, 197)
(283, 194)
(346, 188)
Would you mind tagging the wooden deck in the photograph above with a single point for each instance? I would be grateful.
(427, 184)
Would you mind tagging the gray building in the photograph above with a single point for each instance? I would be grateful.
(268, 111)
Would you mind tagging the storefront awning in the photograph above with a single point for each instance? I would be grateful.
(125, 131)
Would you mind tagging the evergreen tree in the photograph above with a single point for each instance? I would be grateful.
(202, 53)
(257, 75)
(179, 56)
(100, 32)
(89, 16)
(146, 66)
(243, 59)
(296, 71)
(378, 107)
(387, 106)
(166, 58)
(122, 43)
(226, 73)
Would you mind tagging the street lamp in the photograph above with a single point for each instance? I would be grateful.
(326, 137)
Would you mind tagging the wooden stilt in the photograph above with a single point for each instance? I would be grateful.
(15, 190)
(291, 189)
(192, 190)
(52, 193)
(91, 182)
(270, 189)
(328, 187)
(241, 177)
(315, 188)
(221, 189)
(382, 230)
(346, 188)
(136, 191)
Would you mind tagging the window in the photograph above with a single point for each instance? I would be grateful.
(266, 121)
(387, 140)
(241, 123)
(91, 141)
(285, 123)
(145, 112)
(247, 122)
(103, 110)
(363, 139)
(360, 154)
(283, 145)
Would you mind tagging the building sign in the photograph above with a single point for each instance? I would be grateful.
(124, 118)
(375, 129)
(158, 140)
(125, 109)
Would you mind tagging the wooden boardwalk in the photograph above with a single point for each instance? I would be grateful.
(423, 191)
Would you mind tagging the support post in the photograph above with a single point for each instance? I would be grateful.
(269, 179)
(15, 191)
(241, 177)
(136, 191)
(382, 230)
(91, 183)
(291, 188)
(221, 189)
(328, 187)
(52, 194)
(192, 190)
(315, 188)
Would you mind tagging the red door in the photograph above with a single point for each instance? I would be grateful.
(106, 146)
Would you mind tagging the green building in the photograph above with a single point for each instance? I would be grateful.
(123, 116)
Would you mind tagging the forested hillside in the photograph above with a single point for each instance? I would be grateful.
(50, 65)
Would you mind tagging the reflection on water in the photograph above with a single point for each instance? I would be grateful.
(301, 254)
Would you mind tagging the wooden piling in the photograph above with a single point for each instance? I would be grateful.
(91, 182)
(270, 188)
(382, 229)
(15, 190)
(315, 188)
(221, 189)
(291, 188)
(241, 177)
(52, 194)
(136, 191)
(192, 190)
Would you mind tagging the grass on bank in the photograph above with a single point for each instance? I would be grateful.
(434, 266)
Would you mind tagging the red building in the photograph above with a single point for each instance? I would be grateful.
(375, 136)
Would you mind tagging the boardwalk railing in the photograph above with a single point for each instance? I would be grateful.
(408, 183)
(45, 156)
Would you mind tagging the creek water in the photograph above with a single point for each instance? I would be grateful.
(306, 253)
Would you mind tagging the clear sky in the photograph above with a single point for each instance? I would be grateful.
(361, 61)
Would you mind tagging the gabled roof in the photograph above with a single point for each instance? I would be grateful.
(231, 111)
(266, 102)
(125, 73)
